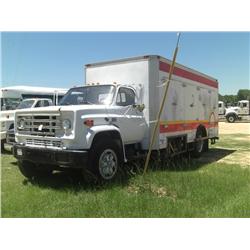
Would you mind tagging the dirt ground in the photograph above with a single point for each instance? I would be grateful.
(234, 128)
(240, 156)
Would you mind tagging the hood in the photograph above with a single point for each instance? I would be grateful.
(232, 109)
(62, 108)
(7, 114)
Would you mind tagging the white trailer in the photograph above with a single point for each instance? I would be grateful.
(110, 120)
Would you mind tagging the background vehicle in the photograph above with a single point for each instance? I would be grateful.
(240, 112)
(110, 120)
(221, 108)
(11, 97)
(27, 103)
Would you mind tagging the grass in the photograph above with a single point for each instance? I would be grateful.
(208, 187)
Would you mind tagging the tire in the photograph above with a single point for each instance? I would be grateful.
(200, 145)
(2, 145)
(105, 159)
(30, 170)
(206, 145)
(231, 118)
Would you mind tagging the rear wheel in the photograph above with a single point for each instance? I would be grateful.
(30, 170)
(199, 144)
(105, 159)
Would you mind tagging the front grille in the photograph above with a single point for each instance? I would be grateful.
(10, 137)
(3, 126)
(39, 125)
(43, 143)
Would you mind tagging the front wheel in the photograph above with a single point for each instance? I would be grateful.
(2, 145)
(105, 159)
(231, 118)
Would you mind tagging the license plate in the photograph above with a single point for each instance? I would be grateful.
(19, 152)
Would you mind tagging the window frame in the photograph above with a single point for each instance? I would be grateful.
(117, 93)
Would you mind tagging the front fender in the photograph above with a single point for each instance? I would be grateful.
(231, 113)
(93, 131)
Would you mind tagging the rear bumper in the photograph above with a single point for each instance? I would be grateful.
(53, 157)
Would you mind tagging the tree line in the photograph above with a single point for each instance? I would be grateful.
(243, 94)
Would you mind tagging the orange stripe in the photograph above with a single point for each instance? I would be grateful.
(176, 127)
(188, 75)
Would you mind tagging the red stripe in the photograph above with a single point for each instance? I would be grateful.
(184, 126)
(188, 75)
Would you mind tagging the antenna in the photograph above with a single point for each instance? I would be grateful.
(162, 104)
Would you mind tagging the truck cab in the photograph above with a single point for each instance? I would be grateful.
(92, 125)
(221, 108)
(243, 107)
(35, 103)
(239, 112)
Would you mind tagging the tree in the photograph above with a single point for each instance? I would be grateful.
(230, 99)
(243, 94)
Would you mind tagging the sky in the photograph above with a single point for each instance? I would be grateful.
(57, 59)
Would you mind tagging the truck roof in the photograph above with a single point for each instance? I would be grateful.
(148, 57)
(18, 91)
(35, 99)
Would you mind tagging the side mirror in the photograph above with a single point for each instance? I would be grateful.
(140, 107)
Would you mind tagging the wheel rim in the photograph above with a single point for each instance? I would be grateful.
(199, 144)
(108, 164)
(231, 119)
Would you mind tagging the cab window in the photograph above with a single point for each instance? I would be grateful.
(125, 97)
(39, 104)
(46, 103)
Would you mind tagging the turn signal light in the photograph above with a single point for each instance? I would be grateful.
(89, 123)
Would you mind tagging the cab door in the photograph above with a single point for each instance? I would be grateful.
(244, 108)
(128, 117)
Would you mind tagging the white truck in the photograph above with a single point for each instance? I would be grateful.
(12, 96)
(240, 112)
(221, 109)
(110, 119)
(26, 103)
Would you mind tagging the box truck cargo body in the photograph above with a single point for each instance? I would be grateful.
(110, 119)
(191, 100)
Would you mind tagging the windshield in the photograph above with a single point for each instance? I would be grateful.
(9, 103)
(101, 94)
(25, 104)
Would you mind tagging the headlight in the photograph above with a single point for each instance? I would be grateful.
(21, 123)
(66, 124)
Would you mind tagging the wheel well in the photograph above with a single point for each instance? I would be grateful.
(231, 114)
(203, 129)
(11, 126)
(114, 135)
(107, 134)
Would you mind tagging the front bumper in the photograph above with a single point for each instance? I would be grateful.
(53, 157)
(3, 135)
(10, 137)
